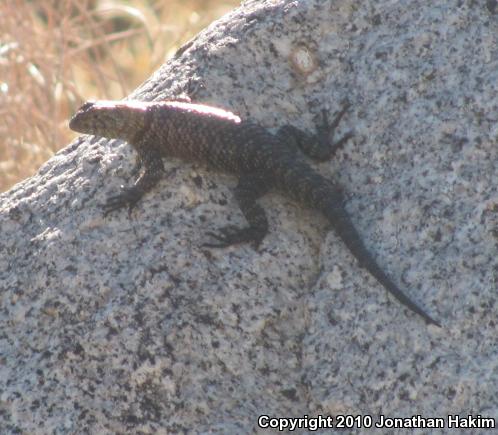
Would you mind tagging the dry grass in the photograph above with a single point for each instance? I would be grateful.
(54, 55)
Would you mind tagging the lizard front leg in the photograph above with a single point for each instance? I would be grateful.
(152, 173)
(248, 190)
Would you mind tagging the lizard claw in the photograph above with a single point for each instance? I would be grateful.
(327, 127)
(128, 197)
(326, 124)
(232, 235)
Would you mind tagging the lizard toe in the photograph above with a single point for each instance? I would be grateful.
(127, 198)
(231, 235)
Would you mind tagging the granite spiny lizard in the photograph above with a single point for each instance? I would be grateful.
(223, 141)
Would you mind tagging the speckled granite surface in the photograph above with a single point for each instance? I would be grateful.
(118, 325)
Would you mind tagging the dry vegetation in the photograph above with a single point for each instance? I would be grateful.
(55, 54)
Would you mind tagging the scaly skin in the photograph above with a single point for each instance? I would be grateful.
(261, 160)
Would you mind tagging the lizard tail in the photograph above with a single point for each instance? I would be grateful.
(333, 208)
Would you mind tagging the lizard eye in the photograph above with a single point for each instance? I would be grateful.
(86, 106)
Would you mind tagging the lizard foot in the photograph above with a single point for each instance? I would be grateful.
(326, 127)
(128, 197)
(232, 235)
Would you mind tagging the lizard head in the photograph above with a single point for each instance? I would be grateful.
(111, 119)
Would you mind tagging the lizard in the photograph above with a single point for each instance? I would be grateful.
(261, 160)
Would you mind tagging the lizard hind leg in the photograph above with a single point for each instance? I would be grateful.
(249, 189)
(319, 146)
